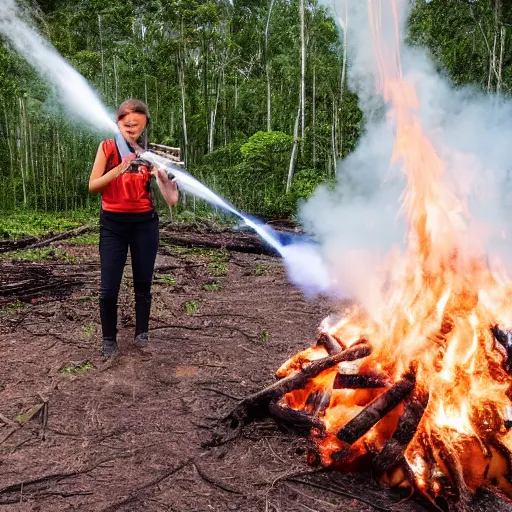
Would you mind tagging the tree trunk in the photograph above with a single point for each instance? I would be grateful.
(103, 78)
(267, 67)
(181, 72)
(302, 70)
(20, 149)
(293, 157)
(314, 117)
(343, 79)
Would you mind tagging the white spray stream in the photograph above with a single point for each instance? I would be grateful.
(71, 88)
(303, 260)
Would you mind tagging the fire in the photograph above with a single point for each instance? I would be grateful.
(428, 406)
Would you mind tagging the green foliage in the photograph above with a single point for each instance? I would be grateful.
(74, 368)
(305, 183)
(12, 308)
(164, 279)
(462, 36)
(191, 306)
(40, 254)
(88, 330)
(217, 269)
(155, 50)
(212, 287)
(86, 239)
(19, 224)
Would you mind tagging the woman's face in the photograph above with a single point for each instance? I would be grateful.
(132, 125)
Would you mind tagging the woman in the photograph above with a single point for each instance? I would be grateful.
(127, 219)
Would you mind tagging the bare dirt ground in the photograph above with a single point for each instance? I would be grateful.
(79, 434)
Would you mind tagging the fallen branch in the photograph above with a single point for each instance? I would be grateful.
(297, 419)
(62, 236)
(249, 244)
(14, 245)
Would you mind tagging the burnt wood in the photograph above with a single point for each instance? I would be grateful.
(376, 410)
(504, 338)
(393, 451)
(330, 343)
(360, 381)
(257, 403)
(318, 401)
(301, 420)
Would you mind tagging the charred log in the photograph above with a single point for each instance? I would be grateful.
(257, 403)
(301, 420)
(318, 401)
(330, 343)
(393, 451)
(360, 380)
(377, 409)
(504, 338)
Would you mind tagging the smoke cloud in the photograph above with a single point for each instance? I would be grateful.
(70, 87)
(359, 224)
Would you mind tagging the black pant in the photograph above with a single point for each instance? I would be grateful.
(116, 235)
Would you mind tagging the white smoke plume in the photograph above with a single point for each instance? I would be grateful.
(359, 222)
(70, 87)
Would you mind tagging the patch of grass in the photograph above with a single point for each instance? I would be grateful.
(191, 306)
(40, 254)
(217, 269)
(91, 238)
(88, 298)
(21, 418)
(73, 368)
(12, 308)
(164, 279)
(25, 223)
(88, 330)
(219, 256)
(265, 335)
(213, 287)
(261, 269)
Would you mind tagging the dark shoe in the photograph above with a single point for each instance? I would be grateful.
(109, 348)
(141, 340)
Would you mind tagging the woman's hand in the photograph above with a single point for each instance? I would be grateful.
(99, 179)
(168, 188)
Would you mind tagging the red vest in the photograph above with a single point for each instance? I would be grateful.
(130, 191)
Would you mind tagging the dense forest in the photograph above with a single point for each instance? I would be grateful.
(254, 93)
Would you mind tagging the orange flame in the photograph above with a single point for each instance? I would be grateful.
(435, 312)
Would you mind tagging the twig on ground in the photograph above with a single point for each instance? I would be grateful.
(8, 434)
(136, 494)
(60, 476)
(247, 349)
(339, 492)
(294, 489)
(214, 482)
(7, 421)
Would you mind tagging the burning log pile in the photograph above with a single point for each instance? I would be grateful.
(415, 382)
(364, 414)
